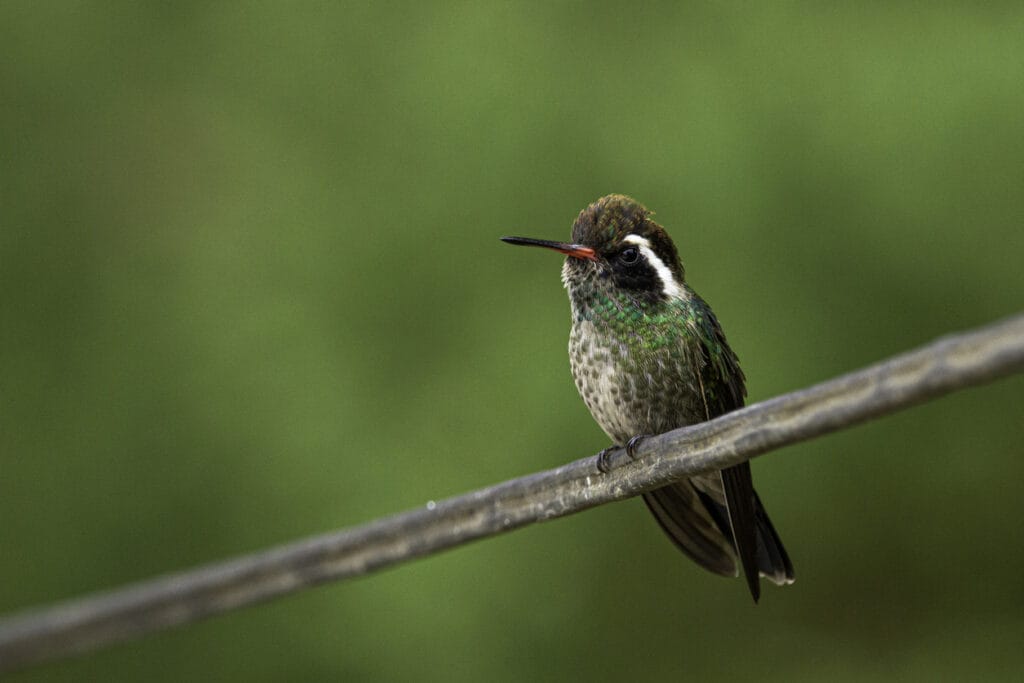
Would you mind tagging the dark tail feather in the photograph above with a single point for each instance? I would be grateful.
(773, 562)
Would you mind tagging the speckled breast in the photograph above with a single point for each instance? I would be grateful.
(631, 390)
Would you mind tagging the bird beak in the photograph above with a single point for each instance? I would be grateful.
(574, 250)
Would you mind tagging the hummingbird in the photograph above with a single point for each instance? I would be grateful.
(648, 356)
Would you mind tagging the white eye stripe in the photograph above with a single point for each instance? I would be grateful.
(669, 286)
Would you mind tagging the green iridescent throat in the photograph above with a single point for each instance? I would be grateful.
(639, 324)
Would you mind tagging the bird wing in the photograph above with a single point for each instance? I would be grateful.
(739, 501)
(693, 527)
(723, 390)
(717, 518)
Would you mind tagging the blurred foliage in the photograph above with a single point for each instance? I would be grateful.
(252, 290)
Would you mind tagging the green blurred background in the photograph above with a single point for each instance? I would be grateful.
(252, 289)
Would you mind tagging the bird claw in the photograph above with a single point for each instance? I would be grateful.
(633, 443)
(604, 465)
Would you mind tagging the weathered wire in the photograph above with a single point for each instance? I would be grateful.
(946, 365)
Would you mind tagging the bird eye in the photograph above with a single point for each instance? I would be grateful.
(629, 255)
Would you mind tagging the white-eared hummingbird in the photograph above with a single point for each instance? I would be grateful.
(649, 356)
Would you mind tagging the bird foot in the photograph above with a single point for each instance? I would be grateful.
(604, 462)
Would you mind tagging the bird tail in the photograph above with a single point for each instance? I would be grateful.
(699, 526)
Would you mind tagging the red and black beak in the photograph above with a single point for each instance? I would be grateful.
(574, 250)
